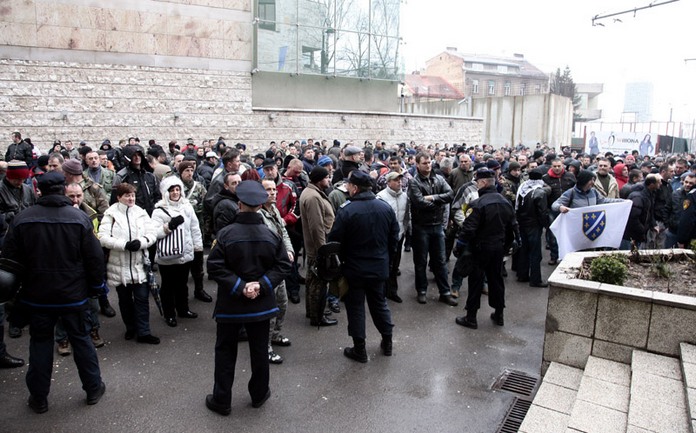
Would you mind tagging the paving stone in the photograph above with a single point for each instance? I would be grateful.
(652, 415)
(571, 311)
(555, 397)
(542, 420)
(592, 418)
(629, 327)
(608, 371)
(563, 375)
(670, 326)
(567, 348)
(653, 387)
(688, 353)
(634, 429)
(612, 351)
(689, 374)
(604, 393)
(691, 402)
(656, 364)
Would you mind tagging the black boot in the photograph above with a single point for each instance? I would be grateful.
(386, 345)
(105, 307)
(202, 296)
(357, 352)
(497, 317)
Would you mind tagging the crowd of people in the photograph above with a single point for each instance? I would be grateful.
(135, 211)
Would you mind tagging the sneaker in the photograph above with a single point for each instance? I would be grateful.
(96, 339)
(274, 358)
(64, 348)
(421, 298)
(280, 341)
(334, 307)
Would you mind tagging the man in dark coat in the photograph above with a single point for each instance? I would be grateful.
(247, 261)
(489, 229)
(57, 285)
(642, 217)
(532, 217)
(368, 233)
(19, 150)
(147, 191)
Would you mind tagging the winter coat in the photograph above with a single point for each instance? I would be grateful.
(641, 219)
(575, 198)
(399, 203)
(613, 191)
(120, 225)
(317, 219)
(63, 260)
(428, 213)
(166, 209)
(247, 251)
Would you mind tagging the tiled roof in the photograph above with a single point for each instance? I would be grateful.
(431, 87)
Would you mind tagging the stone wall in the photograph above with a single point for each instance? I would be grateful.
(79, 101)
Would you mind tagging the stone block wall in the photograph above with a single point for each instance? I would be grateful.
(86, 101)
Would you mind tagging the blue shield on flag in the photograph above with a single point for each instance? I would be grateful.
(593, 224)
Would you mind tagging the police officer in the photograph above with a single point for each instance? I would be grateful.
(247, 261)
(368, 233)
(489, 228)
(57, 285)
(686, 232)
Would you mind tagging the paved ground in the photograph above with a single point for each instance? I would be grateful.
(438, 380)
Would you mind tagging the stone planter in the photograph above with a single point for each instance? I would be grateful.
(589, 318)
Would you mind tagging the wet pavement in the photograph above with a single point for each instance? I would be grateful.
(438, 380)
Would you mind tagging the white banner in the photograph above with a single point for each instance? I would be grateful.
(591, 227)
(600, 142)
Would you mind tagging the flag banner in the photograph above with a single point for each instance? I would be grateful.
(591, 227)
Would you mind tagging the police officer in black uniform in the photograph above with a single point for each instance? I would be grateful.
(686, 232)
(489, 228)
(368, 233)
(247, 261)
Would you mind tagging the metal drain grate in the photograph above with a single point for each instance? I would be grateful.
(515, 415)
(517, 382)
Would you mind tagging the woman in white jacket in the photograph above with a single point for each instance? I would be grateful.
(127, 231)
(176, 212)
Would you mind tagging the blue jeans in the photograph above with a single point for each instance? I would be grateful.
(429, 240)
(529, 265)
(41, 327)
(133, 301)
(551, 239)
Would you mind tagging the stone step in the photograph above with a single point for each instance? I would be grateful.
(553, 403)
(658, 397)
(602, 401)
(688, 369)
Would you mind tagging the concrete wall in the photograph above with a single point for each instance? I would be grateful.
(58, 100)
(529, 119)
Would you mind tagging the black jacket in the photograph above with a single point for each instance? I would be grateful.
(491, 224)
(368, 233)
(678, 198)
(663, 203)
(247, 251)
(686, 232)
(63, 260)
(428, 213)
(12, 201)
(225, 209)
(147, 191)
(533, 209)
(641, 217)
(343, 170)
(558, 184)
(21, 151)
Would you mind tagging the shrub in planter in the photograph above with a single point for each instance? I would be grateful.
(609, 269)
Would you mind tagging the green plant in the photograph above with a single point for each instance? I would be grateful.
(692, 245)
(610, 269)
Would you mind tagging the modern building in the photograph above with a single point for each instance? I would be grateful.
(589, 101)
(481, 76)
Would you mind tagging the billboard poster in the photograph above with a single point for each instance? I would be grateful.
(619, 142)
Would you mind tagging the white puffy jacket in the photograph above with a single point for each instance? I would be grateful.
(120, 225)
(193, 240)
(398, 200)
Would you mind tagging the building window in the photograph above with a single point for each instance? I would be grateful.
(491, 87)
(502, 69)
(477, 66)
(523, 89)
(474, 87)
(538, 89)
(267, 14)
(507, 88)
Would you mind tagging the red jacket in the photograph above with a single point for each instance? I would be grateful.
(286, 200)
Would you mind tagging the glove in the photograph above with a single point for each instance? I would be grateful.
(175, 222)
(133, 245)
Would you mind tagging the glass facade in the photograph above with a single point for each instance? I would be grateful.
(347, 38)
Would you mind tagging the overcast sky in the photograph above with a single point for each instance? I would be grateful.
(650, 47)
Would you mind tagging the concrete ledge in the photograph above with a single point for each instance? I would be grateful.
(615, 319)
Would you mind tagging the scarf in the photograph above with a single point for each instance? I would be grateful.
(554, 175)
(525, 189)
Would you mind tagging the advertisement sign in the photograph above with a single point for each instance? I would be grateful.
(597, 142)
